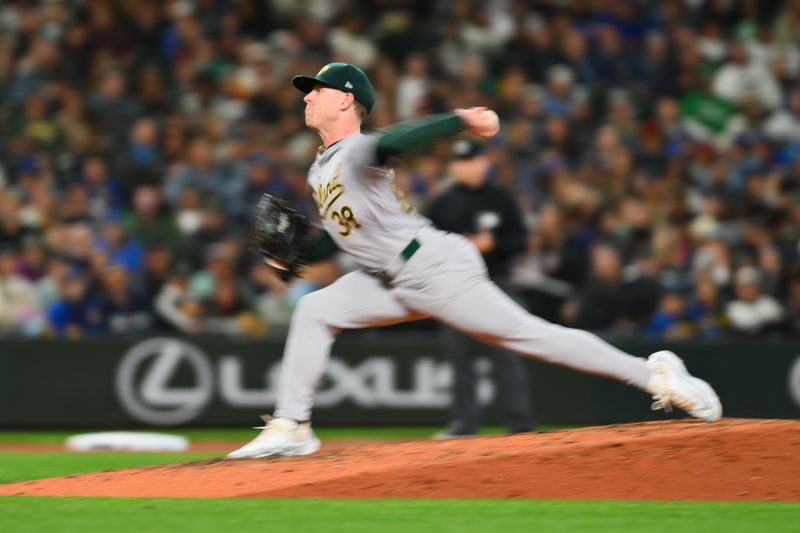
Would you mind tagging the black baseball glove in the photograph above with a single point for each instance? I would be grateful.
(280, 235)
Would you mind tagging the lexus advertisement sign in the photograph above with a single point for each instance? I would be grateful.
(386, 379)
(149, 388)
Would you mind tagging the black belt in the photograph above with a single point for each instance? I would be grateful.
(407, 253)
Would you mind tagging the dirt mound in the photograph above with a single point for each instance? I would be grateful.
(686, 460)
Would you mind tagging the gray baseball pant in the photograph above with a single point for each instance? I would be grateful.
(445, 279)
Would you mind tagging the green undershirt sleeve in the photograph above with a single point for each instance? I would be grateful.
(403, 136)
(318, 247)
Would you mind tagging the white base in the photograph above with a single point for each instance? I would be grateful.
(127, 441)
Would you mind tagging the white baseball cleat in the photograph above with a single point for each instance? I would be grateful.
(279, 436)
(671, 384)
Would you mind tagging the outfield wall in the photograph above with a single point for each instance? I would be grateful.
(373, 379)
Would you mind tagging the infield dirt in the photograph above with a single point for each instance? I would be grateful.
(734, 459)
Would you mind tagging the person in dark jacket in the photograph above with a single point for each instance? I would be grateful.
(488, 216)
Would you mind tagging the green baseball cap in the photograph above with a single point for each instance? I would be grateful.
(343, 76)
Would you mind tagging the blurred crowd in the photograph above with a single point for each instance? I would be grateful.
(654, 148)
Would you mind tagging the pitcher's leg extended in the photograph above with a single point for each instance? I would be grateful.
(484, 311)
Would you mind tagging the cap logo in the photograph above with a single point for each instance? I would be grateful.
(348, 85)
(323, 69)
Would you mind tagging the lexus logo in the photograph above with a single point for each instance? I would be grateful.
(794, 382)
(145, 391)
(147, 387)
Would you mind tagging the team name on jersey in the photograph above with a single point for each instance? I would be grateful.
(326, 194)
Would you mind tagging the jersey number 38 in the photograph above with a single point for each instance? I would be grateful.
(346, 219)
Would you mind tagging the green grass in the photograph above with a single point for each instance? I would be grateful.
(23, 513)
(20, 466)
(386, 516)
(244, 434)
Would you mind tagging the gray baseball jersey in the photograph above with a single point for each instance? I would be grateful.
(359, 204)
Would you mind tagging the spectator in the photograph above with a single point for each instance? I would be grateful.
(412, 86)
(147, 30)
(262, 178)
(74, 242)
(189, 216)
(175, 306)
(75, 207)
(220, 265)
(562, 96)
(227, 312)
(34, 123)
(37, 65)
(275, 304)
(151, 222)
(213, 227)
(112, 108)
(103, 192)
(576, 52)
(140, 162)
(349, 41)
(752, 312)
(599, 305)
(124, 310)
(615, 63)
(11, 228)
(32, 264)
(200, 172)
(642, 290)
(73, 122)
(48, 287)
(559, 256)
(19, 310)
(558, 139)
(671, 321)
(121, 248)
(76, 313)
(706, 309)
(263, 104)
(153, 92)
(156, 271)
(487, 29)
(743, 77)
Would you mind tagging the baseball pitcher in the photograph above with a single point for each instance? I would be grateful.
(410, 270)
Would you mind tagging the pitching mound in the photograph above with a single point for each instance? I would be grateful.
(686, 460)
